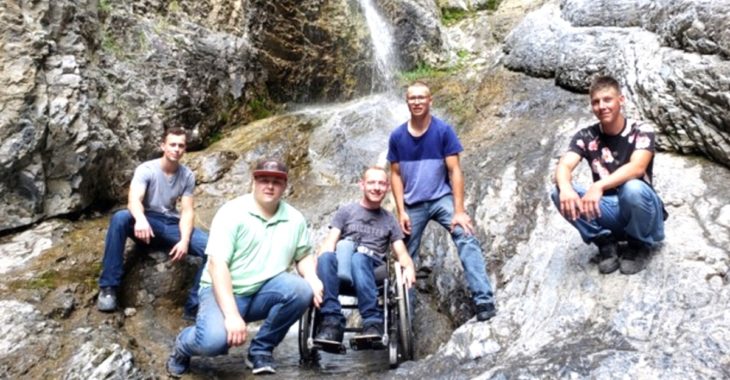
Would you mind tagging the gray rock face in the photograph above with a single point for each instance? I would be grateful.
(418, 30)
(671, 57)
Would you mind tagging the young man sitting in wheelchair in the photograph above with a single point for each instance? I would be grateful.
(360, 233)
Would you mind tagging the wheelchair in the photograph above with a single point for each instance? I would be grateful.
(397, 337)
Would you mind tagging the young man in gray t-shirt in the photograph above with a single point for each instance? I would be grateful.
(152, 218)
(370, 231)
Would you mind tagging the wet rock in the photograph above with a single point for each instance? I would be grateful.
(19, 249)
(674, 87)
(60, 303)
(418, 30)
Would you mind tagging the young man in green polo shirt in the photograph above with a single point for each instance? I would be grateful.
(253, 241)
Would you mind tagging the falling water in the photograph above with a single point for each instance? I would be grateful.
(381, 36)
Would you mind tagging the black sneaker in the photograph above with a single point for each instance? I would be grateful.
(331, 330)
(372, 330)
(486, 312)
(261, 364)
(607, 257)
(633, 260)
(107, 300)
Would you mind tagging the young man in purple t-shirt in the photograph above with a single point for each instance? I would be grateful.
(620, 204)
(428, 184)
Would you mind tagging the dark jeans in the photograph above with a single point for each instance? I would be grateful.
(167, 234)
(363, 277)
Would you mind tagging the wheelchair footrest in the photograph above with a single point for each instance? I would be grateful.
(367, 343)
(330, 346)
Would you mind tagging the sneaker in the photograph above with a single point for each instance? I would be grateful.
(485, 312)
(177, 364)
(372, 330)
(107, 300)
(331, 330)
(261, 364)
(607, 257)
(633, 260)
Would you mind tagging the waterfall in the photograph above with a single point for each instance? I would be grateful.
(381, 36)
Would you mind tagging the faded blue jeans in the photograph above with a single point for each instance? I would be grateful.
(363, 275)
(636, 212)
(280, 302)
(167, 234)
(470, 252)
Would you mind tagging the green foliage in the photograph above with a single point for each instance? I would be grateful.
(492, 5)
(462, 54)
(423, 71)
(450, 16)
(110, 44)
(105, 6)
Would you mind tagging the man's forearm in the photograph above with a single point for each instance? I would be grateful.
(457, 188)
(307, 267)
(222, 287)
(186, 225)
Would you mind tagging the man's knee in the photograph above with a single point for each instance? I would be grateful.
(213, 342)
(327, 261)
(634, 192)
(121, 219)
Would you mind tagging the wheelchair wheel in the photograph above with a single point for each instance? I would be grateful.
(307, 353)
(405, 335)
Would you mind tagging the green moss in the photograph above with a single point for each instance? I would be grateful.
(109, 44)
(259, 108)
(492, 5)
(86, 275)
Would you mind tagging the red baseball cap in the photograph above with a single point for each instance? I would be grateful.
(272, 168)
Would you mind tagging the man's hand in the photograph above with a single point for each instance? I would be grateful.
(236, 330)
(179, 251)
(591, 202)
(409, 276)
(143, 231)
(405, 223)
(570, 204)
(317, 289)
(462, 219)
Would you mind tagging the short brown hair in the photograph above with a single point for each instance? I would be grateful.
(177, 131)
(374, 167)
(604, 81)
(419, 83)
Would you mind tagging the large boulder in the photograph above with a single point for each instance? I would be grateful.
(672, 61)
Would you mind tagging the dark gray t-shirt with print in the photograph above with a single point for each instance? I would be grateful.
(374, 229)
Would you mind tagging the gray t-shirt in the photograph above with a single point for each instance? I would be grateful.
(163, 192)
(374, 229)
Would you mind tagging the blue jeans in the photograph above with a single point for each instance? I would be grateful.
(635, 212)
(280, 302)
(442, 211)
(366, 290)
(167, 234)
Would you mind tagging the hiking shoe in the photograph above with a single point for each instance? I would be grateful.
(372, 330)
(261, 364)
(633, 260)
(177, 364)
(485, 312)
(331, 330)
(607, 257)
(107, 300)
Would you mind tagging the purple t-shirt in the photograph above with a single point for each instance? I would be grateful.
(606, 153)
(421, 160)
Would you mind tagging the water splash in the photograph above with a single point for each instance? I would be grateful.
(381, 35)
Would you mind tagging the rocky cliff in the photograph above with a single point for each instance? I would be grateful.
(88, 85)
